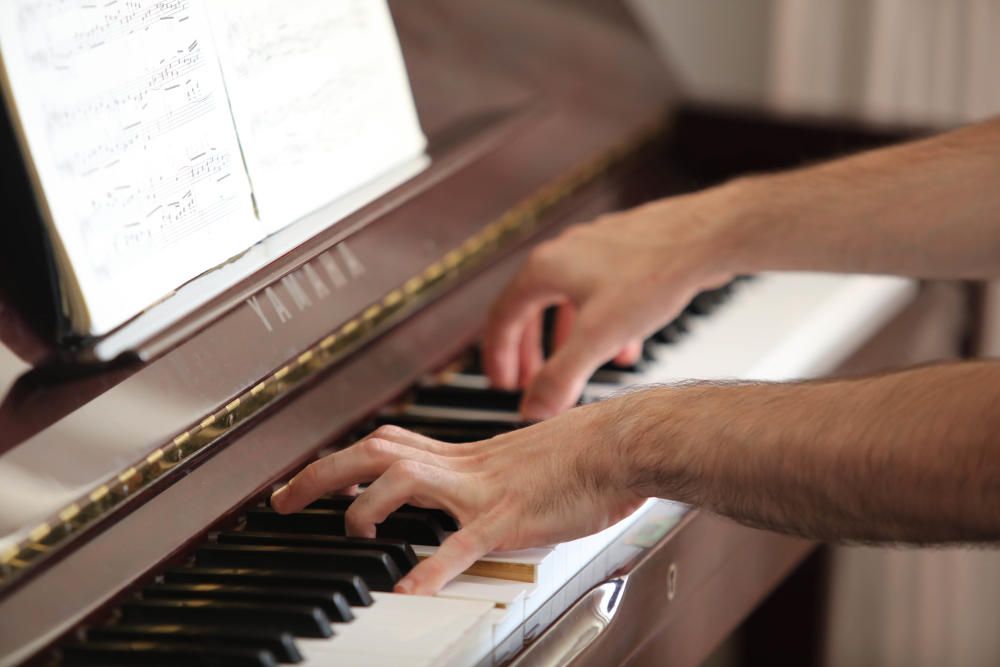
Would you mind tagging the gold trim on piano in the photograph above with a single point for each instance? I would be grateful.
(516, 222)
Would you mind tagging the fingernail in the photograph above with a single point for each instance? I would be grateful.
(276, 496)
(403, 587)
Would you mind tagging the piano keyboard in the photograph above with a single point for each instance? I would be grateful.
(295, 590)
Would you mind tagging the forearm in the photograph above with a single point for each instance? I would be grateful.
(929, 208)
(911, 457)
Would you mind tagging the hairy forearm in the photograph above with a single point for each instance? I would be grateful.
(912, 456)
(929, 208)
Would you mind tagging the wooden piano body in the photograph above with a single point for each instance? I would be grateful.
(538, 115)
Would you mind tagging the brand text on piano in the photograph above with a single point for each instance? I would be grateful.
(301, 289)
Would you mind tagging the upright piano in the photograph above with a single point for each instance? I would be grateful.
(133, 522)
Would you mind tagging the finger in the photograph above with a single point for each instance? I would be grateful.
(522, 300)
(455, 555)
(404, 482)
(530, 358)
(407, 437)
(559, 384)
(499, 353)
(630, 354)
(363, 461)
(565, 317)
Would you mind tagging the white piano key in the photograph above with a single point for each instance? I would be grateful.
(507, 596)
(782, 326)
(851, 315)
(407, 629)
(502, 593)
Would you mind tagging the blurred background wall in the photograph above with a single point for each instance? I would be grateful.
(912, 62)
(929, 64)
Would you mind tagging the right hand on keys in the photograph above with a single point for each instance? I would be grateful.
(615, 281)
(548, 483)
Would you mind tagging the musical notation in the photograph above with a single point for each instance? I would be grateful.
(320, 91)
(71, 27)
(124, 106)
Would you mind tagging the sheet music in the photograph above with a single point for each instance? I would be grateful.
(123, 107)
(320, 97)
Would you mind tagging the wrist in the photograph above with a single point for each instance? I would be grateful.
(654, 435)
(744, 210)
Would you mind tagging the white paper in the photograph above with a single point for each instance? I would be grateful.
(123, 109)
(320, 97)
(142, 147)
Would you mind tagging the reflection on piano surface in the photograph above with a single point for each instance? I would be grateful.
(152, 525)
(312, 595)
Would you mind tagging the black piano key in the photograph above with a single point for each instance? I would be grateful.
(377, 568)
(672, 332)
(277, 643)
(343, 502)
(706, 302)
(334, 605)
(467, 397)
(414, 528)
(351, 586)
(400, 552)
(142, 653)
(637, 367)
(458, 431)
(457, 435)
(301, 621)
(473, 362)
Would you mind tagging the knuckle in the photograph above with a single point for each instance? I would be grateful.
(406, 470)
(576, 232)
(476, 458)
(388, 432)
(543, 255)
(376, 449)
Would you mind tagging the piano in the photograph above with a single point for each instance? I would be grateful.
(134, 528)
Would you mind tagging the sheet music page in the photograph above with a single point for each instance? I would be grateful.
(123, 107)
(320, 96)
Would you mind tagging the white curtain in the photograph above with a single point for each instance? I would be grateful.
(913, 62)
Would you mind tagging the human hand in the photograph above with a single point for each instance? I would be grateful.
(551, 482)
(615, 281)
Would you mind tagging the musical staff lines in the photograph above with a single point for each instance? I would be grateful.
(94, 24)
(124, 104)
(319, 91)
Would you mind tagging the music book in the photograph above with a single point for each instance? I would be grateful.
(164, 138)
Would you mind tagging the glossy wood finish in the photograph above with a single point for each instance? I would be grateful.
(491, 89)
(505, 121)
(512, 95)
